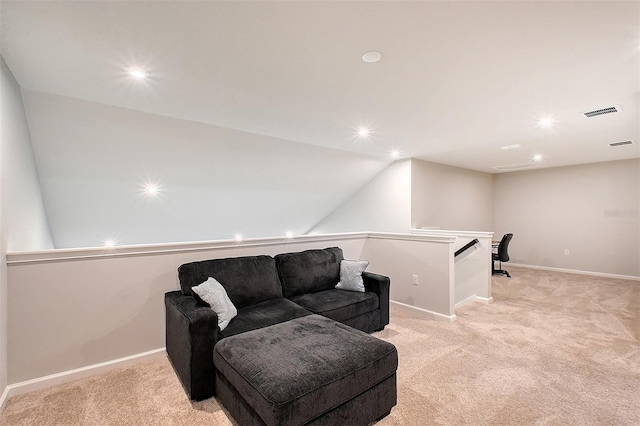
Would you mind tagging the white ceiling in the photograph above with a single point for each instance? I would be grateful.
(94, 162)
(457, 80)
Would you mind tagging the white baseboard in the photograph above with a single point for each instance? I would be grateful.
(465, 301)
(472, 299)
(434, 315)
(4, 398)
(78, 373)
(576, 271)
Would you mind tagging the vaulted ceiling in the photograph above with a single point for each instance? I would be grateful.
(457, 80)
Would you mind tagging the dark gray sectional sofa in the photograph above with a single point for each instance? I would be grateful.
(266, 291)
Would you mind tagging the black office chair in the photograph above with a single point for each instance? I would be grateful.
(502, 256)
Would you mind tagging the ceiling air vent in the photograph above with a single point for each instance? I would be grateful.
(514, 167)
(621, 143)
(602, 111)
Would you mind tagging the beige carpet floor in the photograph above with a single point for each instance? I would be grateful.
(553, 349)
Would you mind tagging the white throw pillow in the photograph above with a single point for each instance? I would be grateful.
(212, 292)
(351, 275)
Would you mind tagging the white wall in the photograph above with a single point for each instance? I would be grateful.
(3, 256)
(23, 211)
(75, 308)
(472, 266)
(449, 197)
(592, 210)
(95, 306)
(23, 221)
(215, 182)
(383, 204)
(401, 257)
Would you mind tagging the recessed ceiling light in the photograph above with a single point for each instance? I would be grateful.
(288, 234)
(546, 121)
(363, 132)
(238, 237)
(138, 73)
(109, 243)
(537, 157)
(395, 154)
(151, 189)
(372, 56)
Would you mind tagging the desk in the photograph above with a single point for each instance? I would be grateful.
(494, 254)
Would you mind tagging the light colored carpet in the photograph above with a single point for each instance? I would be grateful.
(553, 349)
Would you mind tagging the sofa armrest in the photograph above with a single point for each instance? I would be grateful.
(191, 332)
(379, 284)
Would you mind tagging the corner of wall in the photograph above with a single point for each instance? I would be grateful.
(26, 226)
(3, 314)
(3, 287)
(383, 204)
(449, 197)
(23, 220)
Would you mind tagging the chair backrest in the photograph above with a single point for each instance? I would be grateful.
(503, 248)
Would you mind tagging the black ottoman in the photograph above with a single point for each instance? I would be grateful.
(310, 370)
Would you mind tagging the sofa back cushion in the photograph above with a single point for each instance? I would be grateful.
(247, 280)
(309, 271)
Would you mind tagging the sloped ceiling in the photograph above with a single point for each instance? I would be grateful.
(95, 160)
(248, 119)
(457, 80)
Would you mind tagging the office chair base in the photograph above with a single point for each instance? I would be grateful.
(501, 272)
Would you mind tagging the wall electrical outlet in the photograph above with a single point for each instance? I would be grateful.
(566, 252)
(415, 280)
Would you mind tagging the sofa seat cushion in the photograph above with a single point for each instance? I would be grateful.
(293, 372)
(263, 314)
(339, 305)
(309, 271)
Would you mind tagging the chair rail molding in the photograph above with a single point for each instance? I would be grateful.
(119, 292)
